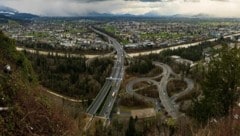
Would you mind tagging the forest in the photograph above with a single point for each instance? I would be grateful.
(71, 76)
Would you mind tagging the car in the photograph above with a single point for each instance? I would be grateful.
(113, 94)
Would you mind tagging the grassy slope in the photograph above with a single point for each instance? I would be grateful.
(30, 112)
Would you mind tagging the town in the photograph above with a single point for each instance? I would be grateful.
(159, 33)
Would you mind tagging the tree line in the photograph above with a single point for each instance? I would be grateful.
(220, 86)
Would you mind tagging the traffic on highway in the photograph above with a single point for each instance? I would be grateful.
(104, 101)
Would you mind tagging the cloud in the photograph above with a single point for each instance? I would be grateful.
(152, 0)
(61, 7)
(220, 8)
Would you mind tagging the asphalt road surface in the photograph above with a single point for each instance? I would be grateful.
(167, 102)
(105, 99)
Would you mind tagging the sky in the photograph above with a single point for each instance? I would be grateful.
(218, 8)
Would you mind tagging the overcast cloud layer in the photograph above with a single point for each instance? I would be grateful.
(219, 8)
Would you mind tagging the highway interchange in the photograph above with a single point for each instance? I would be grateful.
(112, 83)
(104, 101)
(167, 102)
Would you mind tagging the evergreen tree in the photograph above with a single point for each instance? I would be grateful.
(219, 86)
(131, 130)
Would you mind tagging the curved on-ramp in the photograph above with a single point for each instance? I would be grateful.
(168, 102)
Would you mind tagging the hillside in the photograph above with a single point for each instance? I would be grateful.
(28, 111)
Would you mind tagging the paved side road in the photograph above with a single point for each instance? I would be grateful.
(163, 95)
(190, 86)
(169, 103)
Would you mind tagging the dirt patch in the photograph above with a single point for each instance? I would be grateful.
(143, 113)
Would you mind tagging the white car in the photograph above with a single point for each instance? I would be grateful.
(113, 94)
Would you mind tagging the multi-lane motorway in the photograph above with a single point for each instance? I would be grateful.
(104, 101)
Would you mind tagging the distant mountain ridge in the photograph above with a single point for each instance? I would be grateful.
(96, 14)
(148, 14)
(10, 13)
(7, 10)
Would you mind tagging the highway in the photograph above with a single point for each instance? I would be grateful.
(105, 99)
(116, 79)
(92, 109)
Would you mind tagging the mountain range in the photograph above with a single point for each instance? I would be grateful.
(9, 13)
